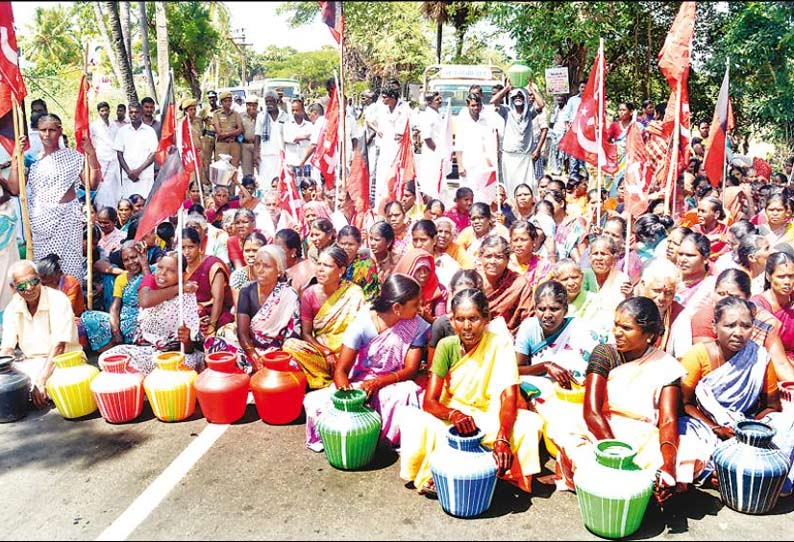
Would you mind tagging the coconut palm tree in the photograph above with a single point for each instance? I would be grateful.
(438, 12)
(120, 51)
(147, 59)
(161, 26)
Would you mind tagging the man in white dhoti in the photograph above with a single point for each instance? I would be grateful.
(431, 129)
(390, 125)
(103, 134)
(475, 146)
(517, 164)
(269, 139)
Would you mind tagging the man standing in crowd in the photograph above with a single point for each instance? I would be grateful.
(574, 164)
(228, 125)
(297, 133)
(431, 128)
(519, 142)
(476, 149)
(136, 144)
(389, 126)
(188, 107)
(103, 134)
(208, 134)
(269, 139)
(238, 105)
(249, 133)
(317, 119)
(148, 116)
(540, 130)
(121, 117)
(557, 122)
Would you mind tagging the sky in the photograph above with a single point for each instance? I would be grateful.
(246, 15)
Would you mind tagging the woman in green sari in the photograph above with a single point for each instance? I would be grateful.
(327, 309)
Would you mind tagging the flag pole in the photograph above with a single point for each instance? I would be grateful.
(342, 101)
(180, 274)
(90, 229)
(672, 172)
(725, 160)
(599, 127)
(23, 193)
(195, 157)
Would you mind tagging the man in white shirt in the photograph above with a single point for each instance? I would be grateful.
(390, 123)
(476, 150)
(558, 128)
(576, 165)
(431, 128)
(317, 119)
(103, 134)
(297, 134)
(121, 117)
(269, 140)
(135, 145)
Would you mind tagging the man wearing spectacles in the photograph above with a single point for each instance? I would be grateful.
(39, 320)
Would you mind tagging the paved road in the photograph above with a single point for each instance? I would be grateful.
(75, 479)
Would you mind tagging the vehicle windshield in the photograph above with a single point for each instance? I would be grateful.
(458, 93)
(288, 91)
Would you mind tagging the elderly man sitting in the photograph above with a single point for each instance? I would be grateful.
(39, 320)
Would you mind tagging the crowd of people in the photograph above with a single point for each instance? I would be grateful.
(448, 307)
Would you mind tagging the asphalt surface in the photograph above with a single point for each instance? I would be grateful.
(70, 480)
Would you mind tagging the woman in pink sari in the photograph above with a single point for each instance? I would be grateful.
(696, 284)
(381, 351)
(777, 297)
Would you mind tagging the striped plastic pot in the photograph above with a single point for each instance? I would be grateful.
(349, 431)
(118, 390)
(69, 387)
(169, 388)
(613, 492)
(750, 469)
(464, 473)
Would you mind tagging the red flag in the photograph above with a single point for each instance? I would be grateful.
(331, 13)
(10, 74)
(358, 180)
(325, 156)
(289, 201)
(580, 140)
(674, 57)
(167, 124)
(82, 131)
(402, 168)
(715, 153)
(638, 174)
(7, 135)
(166, 196)
(190, 159)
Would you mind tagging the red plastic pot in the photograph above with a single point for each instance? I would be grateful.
(222, 389)
(278, 389)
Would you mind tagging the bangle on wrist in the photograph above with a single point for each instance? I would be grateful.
(501, 439)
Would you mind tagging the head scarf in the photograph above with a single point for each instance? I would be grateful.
(413, 259)
(735, 201)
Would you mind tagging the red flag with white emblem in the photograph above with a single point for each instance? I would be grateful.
(402, 169)
(325, 155)
(581, 139)
(289, 200)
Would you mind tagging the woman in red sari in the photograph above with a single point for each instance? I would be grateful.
(212, 277)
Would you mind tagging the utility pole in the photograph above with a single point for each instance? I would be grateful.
(238, 40)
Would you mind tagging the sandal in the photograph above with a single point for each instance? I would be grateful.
(429, 489)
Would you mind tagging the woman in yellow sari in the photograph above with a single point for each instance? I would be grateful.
(632, 393)
(473, 386)
(327, 309)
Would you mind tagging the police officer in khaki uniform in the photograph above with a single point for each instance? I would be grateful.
(228, 126)
(249, 134)
(208, 135)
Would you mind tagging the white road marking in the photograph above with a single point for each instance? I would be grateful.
(147, 501)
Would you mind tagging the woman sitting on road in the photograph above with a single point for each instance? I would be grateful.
(267, 312)
(474, 387)
(327, 310)
(300, 271)
(381, 351)
(361, 269)
(245, 275)
(158, 319)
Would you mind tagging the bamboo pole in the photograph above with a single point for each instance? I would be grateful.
(180, 275)
(340, 96)
(19, 129)
(90, 229)
(600, 128)
(672, 172)
(725, 155)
